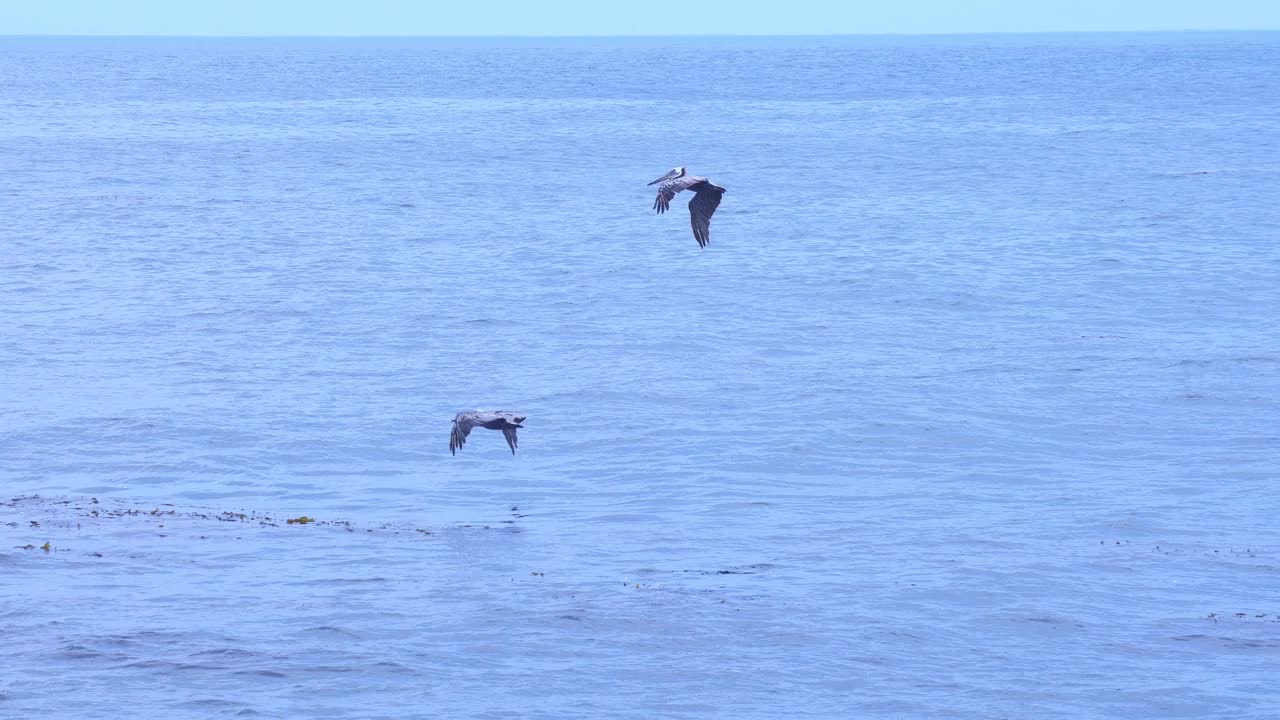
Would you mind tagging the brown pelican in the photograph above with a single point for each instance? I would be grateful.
(706, 198)
(503, 420)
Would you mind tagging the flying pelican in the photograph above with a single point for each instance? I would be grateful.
(706, 198)
(503, 420)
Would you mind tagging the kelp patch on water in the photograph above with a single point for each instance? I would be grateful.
(58, 525)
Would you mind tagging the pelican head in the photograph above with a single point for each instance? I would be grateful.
(675, 173)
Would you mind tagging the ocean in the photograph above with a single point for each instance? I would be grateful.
(971, 408)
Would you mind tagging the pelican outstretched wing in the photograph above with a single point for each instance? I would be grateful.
(510, 434)
(703, 205)
(462, 425)
(668, 190)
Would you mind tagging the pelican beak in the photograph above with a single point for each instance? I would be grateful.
(668, 176)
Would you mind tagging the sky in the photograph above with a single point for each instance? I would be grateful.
(625, 17)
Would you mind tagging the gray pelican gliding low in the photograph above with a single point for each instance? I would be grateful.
(503, 420)
(706, 198)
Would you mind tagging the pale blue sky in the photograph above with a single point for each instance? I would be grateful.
(628, 17)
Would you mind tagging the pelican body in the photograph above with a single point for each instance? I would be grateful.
(706, 198)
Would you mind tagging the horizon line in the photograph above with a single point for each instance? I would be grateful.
(405, 36)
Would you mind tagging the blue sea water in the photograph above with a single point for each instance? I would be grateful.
(971, 409)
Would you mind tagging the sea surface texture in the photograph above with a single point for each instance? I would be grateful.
(971, 408)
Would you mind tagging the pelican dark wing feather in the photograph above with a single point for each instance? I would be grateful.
(462, 425)
(668, 190)
(705, 200)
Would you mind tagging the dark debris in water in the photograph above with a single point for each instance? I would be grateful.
(744, 570)
(79, 514)
(1239, 551)
(1249, 617)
